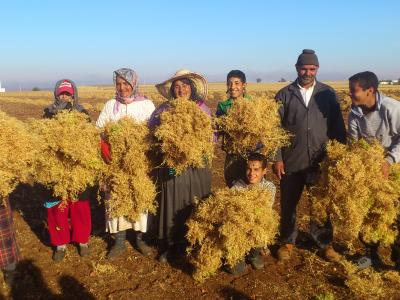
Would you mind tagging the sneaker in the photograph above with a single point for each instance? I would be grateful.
(58, 255)
(364, 262)
(371, 258)
(256, 262)
(284, 252)
(330, 254)
(237, 269)
(84, 250)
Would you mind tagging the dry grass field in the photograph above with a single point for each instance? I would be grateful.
(305, 276)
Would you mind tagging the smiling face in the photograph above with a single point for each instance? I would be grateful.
(361, 97)
(123, 88)
(306, 74)
(255, 172)
(182, 89)
(236, 88)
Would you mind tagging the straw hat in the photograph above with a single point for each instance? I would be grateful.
(199, 81)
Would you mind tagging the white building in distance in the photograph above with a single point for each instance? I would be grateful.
(2, 90)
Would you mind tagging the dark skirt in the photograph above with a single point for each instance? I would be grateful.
(176, 200)
(8, 245)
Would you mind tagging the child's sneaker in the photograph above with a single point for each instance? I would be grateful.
(237, 269)
(255, 259)
(371, 258)
(84, 250)
(364, 262)
(59, 255)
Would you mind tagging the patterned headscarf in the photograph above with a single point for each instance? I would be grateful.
(132, 78)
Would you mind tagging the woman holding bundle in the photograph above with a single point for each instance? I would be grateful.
(127, 102)
(177, 191)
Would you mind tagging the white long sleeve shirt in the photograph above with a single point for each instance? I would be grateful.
(139, 110)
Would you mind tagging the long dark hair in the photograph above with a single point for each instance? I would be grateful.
(193, 95)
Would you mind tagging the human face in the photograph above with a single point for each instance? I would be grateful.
(123, 88)
(236, 88)
(182, 89)
(361, 97)
(255, 172)
(65, 97)
(306, 74)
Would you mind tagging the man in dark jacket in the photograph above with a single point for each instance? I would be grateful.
(311, 113)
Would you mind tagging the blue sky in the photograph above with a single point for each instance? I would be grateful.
(42, 41)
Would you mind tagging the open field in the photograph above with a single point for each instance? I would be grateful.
(132, 276)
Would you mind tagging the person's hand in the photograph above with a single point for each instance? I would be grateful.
(386, 169)
(279, 169)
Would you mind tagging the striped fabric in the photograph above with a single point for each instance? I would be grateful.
(8, 244)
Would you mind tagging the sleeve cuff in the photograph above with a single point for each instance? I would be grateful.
(390, 159)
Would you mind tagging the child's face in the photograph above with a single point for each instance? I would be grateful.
(236, 88)
(255, 172)
(66, 97)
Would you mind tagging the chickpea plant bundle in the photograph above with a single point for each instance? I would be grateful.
(250, 123)
(185, 136)
(369, 283)
(131, 190)
(354, 195)
(68, 160)
(17, 151)
(227, 225)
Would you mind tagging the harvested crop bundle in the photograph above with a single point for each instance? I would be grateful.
(68, 160)
(17, 150)
(185, 134)
(353, 193)
(249, 123)
(228, 225)
(131, 189)
(368, 283)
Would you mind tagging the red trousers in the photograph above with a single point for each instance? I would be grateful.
(77, 230)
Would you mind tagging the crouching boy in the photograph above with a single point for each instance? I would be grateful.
(255, 171)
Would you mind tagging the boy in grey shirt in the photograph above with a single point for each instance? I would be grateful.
(256, 169)
(374, 116)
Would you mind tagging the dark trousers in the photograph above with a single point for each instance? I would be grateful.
(292, 186)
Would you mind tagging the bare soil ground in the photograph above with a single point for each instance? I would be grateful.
(133, 276)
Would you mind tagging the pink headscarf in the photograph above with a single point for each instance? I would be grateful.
(132, 78)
